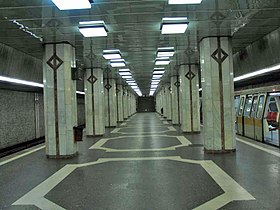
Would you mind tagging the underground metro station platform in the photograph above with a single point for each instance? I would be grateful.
(140, 104)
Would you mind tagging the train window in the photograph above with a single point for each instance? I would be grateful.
(260, 107)
(241, 104)
(236, 103)
(247, 108)
(254, 106)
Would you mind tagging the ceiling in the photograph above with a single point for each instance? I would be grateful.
(134, 28)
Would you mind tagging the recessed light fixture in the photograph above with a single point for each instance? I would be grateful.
(127, 77)
(184, 1)
(93, 28)
(162, 61)
(158, 72)
(72, 4)
(165, 52)
(117, 63)
(124, 70)
(176, 25)
(112, 54)
(125, 73)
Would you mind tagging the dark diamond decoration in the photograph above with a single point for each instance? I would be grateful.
(91, 56)
(54, 62)
(189, 51)
(219, 55)
(117, 90)
(54, 23)
(217, 17)
(92, 79)
(107, 70)
(108, 86)
(169, 88)
(177, 84)
(190, 75)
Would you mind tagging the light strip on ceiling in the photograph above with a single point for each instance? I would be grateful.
(176, 25)
(112, 54)
(27, 83)
(165, 52)
(257, 73)
(72, 4)
(93, 28)
(117, 63)
(184, 1)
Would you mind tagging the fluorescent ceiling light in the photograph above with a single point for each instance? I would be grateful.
(27, 83)
(162, 61)
(257, 73)
(127, 77)
(154, 86)
(165, 52)
(93, 29)
(130, 81)
(157, 76)
(80, 92)
(158, 72)
(174, 25)
(125, 73)
(132, 84)
(112, 54)
(20, 82)
(161, 69)
(72, 4)
(117, 63)
(184, 1)
(124, 70)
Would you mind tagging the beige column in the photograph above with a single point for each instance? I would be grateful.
(175, 84)
(189, 98)
(94, 102)
(218, 94)
(60, 100)
(110, 103)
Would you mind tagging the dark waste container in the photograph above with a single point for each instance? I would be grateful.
(78, 133)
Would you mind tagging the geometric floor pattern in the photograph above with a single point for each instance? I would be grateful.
(154, 179)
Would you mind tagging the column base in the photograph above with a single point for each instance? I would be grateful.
(191, 132)
(219, 151)
(92, 136)
(62, 156)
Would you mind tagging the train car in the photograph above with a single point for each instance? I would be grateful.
(257, 114)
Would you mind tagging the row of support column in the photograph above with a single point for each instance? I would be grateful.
(179, 101)
(106, 103)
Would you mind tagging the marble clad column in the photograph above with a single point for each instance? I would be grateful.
(168, 101)
(120, 102)
(94, 102)
(174, 100)
(60, 100)
(110, 103)
(125, 105)
(164, 101)
(189, 95)
(218, 94)
(129, 102)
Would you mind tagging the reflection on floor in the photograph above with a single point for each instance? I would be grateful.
(145, 163)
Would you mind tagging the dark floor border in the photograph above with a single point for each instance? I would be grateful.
(21, 146)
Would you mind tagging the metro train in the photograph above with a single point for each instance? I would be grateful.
(257, 114)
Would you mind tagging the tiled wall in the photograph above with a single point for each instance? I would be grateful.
(17, 117)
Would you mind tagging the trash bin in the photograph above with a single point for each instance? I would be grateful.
(78, 133)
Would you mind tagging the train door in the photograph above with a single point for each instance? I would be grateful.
(248, 120)
(236, 106)
(271, 119)
(239, 116)
(259, 118)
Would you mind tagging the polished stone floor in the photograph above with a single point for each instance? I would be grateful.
(144, 163)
